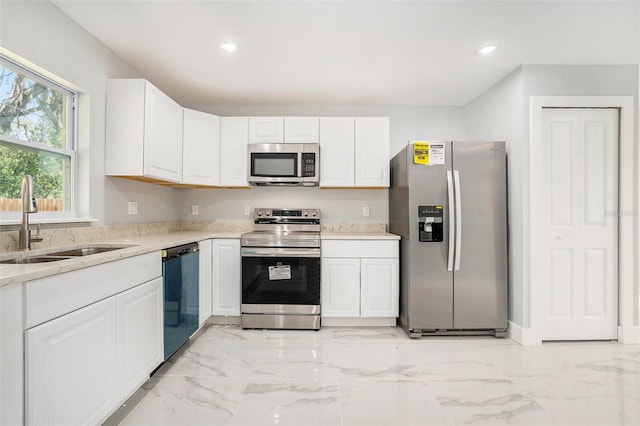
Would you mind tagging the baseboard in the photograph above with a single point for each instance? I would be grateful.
(629, 335)
(523, 336)
(224, 319)
(357, 322)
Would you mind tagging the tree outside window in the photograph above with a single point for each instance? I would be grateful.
(36, 138)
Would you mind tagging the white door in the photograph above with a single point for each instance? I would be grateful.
(201, 148)
(575, 238)
(372, 151)
(337, 147)
(340, 287)
(266, 130)
(70, 367)
(162, 136)
(301, 130)
(226, 277)
(140, 334)
(379, 294)
(234, 136)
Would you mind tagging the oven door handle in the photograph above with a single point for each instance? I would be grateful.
(279, 252)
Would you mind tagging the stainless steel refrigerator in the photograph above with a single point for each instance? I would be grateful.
(448, 202)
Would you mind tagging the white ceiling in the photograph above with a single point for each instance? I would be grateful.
(355, 52)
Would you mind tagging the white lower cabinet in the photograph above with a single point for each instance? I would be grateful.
(365, 286)
(140, 335)
(83, 363)
(71, 367)
(206, 277)
(227, 283)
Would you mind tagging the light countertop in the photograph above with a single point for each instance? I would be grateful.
(136, 245)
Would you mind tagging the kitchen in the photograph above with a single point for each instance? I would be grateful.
(85, 63)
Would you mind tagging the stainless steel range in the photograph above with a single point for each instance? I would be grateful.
(281, 270)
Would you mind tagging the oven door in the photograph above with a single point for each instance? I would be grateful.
(280, 276)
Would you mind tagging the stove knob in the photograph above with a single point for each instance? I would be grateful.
(259, 212)
(313, 214)
(305, 214)
(268, 213)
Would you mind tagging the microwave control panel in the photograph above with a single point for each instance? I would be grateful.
(430, 224)
(308, 164)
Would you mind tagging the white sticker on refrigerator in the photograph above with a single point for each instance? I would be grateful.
(436, 153)
(280, 272)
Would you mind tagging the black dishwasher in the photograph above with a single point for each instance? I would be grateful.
(180, 273)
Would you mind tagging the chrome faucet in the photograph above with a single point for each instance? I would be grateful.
(28, 206)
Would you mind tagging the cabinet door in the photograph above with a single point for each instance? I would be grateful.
(206, 258)
(337, 145)
(266, 130)
(340, 287)
(201, 148)
(379, 288)
(234, 136)
(372, 151)
(227, 282)
(140, 335)
(301, 130)
(70, 369)
(162, 136)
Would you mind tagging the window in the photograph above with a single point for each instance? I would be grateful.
(37, 137)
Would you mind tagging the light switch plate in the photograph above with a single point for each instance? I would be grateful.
(133, 207)
(247, 210)
(194, 210)
(365, 211)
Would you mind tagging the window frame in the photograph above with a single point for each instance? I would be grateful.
(71, 140)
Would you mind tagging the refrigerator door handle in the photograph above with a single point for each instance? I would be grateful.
(451, 221)
(456, 178)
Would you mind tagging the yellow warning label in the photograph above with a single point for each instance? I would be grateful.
(420, 153)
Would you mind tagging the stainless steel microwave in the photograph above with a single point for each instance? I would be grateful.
(284, 164)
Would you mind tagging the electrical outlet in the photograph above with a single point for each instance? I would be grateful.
(365, 211)
(133, 207)
(194, 210)
(247, 210)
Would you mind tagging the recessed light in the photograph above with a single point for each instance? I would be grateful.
(486, 50)
(229, 47)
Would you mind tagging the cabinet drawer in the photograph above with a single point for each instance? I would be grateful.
(50, 297)
(360, 248)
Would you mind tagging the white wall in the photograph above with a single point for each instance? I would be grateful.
(497, 115)
(509, 101)
(40, 33)
(338, 206)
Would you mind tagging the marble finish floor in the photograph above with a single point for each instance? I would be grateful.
(378, 376)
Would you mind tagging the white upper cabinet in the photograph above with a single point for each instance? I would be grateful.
(284, 130)
(266, 130)
(143, 132)
(301, 130)
(372, 151)
(337, 149)
(354, 152)
(201, 148)
(234, 136)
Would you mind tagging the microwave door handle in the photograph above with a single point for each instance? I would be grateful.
(299, 170)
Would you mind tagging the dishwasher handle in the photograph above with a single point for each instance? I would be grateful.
(179, 251)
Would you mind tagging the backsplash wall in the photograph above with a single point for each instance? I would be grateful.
(337, 205)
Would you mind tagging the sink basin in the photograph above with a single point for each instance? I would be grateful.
(62, 255)
(86, 251)
(35, 259)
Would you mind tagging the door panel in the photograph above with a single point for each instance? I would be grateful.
(577, 227)
(480, 283)
(430, 298)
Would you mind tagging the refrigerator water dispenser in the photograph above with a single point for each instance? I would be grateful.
(430, 224)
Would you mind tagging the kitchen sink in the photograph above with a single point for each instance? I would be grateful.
(34, 259)
(62, 255)
(86, 251)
